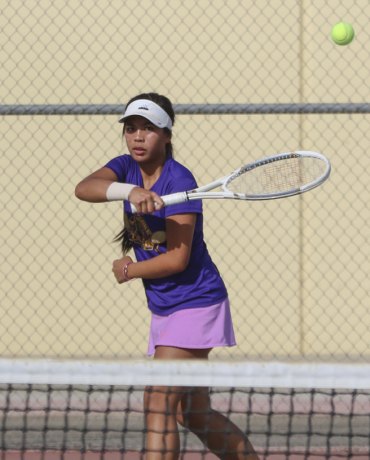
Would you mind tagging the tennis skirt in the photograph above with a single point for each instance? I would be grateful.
(195, 328)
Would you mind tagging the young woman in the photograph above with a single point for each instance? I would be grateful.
(188, 300)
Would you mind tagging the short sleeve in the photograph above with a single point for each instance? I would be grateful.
(119, 166)
(182, 184)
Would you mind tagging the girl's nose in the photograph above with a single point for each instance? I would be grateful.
(139, 135)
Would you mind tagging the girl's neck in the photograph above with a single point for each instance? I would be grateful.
(150, 174)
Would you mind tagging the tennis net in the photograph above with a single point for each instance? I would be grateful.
(94, 410)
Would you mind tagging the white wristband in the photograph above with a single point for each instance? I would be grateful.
(118, 191)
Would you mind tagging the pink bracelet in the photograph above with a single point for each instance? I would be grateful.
(125, 271)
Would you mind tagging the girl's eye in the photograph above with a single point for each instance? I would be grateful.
(132, 129)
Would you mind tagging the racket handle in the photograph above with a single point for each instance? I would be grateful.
(173, 198)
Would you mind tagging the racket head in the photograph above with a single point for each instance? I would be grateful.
(278, 176)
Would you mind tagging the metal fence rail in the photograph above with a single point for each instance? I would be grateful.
(189, 109)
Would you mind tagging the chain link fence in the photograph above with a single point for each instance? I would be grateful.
(248, 79)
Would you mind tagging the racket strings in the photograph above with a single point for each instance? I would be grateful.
(278, 176)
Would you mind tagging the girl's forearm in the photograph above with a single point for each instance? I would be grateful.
(93, 190)
(158, 267)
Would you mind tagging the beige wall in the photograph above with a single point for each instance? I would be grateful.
(296, 269)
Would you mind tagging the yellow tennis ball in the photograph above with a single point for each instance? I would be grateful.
(342, 33)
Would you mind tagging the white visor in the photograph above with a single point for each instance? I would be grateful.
(149, 110)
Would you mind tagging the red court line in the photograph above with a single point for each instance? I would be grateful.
(134, 455)
(76, 455)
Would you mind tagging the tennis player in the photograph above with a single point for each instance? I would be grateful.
(187, 298)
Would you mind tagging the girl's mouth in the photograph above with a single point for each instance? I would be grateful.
(139, 150)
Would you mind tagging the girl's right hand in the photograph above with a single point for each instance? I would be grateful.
(145, 201)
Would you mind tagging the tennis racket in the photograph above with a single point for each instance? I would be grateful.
(277, 176)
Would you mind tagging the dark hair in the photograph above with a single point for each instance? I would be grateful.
(124, 236)
(166, 105)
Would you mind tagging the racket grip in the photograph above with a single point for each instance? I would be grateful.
(173, 198)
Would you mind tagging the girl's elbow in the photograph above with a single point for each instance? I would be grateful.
(181, 265)
(80, 192)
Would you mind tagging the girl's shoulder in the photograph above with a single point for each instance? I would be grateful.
(121, 160)
(178, 170)
(177, 178)
(121, 165)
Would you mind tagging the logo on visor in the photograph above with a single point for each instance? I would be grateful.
(143, 108)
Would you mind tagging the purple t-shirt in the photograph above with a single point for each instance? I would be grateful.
(200, 284)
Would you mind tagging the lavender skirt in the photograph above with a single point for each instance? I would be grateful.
(195, 328)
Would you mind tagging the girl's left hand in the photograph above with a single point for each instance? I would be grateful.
(118, 266)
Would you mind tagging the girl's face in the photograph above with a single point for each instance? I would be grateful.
(145, 141)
